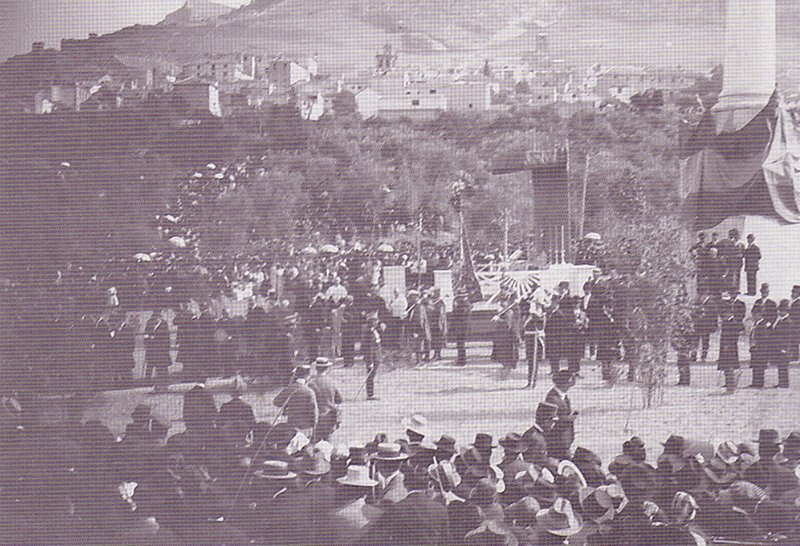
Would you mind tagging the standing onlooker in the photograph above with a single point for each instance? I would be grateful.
(794, 315)
(564, 428)
(459, 326)
(437, 314)
(397, 310)
(706, 322)
(373, 355)
(328, 399)
(782, 340)
(298, 402)
(733, 312)
(734, 254)
(752, 257)
(417, 325)
(715, 282)
(765, 305)
(760, 346)
(351, 329)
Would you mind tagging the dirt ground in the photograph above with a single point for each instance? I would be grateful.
(464, 401)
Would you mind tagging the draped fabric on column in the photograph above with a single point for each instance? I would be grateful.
(722, 174)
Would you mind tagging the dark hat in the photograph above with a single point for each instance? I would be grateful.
(635, 441)
(514, 443)
(768, 436)
(674, 444)
(792, 440)
(357, 455)
(562, 377)
(796, 288)
(484, 441)
(585, 455)
(446, 443)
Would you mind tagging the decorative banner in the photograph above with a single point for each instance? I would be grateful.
(443, 280)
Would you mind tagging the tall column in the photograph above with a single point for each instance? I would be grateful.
(750, 59)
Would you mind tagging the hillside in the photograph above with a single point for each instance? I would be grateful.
(196, 11)
(346, 34)
(657, 32)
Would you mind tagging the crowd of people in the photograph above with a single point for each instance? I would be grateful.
(774, 333)
(228, 479)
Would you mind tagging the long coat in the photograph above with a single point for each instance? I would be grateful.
(732, 326)
(564, 430)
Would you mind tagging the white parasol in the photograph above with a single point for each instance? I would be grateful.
(309, 251)
(385, 247)
(329, 249)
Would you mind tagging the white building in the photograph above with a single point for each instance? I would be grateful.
(226, 68)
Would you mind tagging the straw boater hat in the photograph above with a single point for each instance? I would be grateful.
(416, 423)
(568, 470)
(275, 470)
(727, 452)
(357, 476)
(560, 519)
(390, 452)
(322, 363)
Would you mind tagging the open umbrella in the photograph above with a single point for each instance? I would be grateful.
(385, 247)
(329, 249)
(592, 236)
(142, 257)
(179, 242)
(309, 251)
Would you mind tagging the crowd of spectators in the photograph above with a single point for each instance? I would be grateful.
(231, 480)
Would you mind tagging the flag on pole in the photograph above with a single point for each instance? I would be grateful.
(466, 281)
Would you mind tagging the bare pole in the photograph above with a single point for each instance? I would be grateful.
(583, 195)
(569, 201)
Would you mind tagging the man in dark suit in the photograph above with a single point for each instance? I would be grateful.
(752, 257)
(733, 313)
(782, 342)
(760, 346)
(564, 428)
(706, 322)
(765, 305)
(794, 316)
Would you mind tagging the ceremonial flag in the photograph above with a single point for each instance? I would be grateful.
(466, 282)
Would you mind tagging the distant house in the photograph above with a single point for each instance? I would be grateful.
(62, 97)
(286, 72)
(199, 95)
(226, 68)
(468, 96)
(367, 103)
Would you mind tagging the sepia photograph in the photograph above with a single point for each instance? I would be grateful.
(399, 273)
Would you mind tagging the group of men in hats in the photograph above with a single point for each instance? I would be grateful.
(228, 479)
